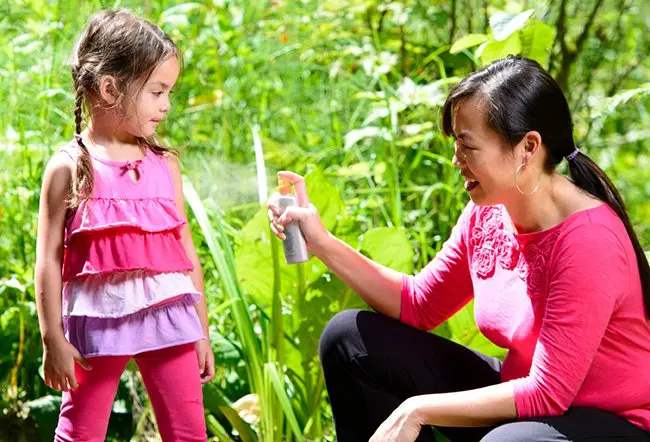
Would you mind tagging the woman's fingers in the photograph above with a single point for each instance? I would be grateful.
(277, 233)
(298, 185)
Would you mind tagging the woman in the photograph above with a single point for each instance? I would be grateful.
(555, 270)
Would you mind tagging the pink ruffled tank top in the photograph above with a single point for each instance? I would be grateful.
(127, 287)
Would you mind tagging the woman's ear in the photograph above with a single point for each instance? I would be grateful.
(108, 89)
(530, 144)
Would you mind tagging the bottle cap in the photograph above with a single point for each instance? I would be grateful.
(285, 186)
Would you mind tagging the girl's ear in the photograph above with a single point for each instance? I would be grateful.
(108, 89)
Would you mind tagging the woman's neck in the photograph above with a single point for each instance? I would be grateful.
(544, 209)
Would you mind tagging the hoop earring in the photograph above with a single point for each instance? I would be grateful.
(539, 179)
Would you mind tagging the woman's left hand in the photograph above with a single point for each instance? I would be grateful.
(206, 360)
(402, 425)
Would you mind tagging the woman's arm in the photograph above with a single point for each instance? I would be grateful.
(407, 298)
(472, 408)
(379, 286)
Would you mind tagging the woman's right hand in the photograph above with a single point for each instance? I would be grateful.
(305, 213)
(59, 357)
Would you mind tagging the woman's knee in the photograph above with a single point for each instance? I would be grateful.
(520, 431)
(340, 335)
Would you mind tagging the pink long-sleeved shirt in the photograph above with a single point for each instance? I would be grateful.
(565, 302)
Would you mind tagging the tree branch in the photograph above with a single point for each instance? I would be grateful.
(452, 30)
(585, 31)
(486, 19)
(569, 56)
(619, 80)
(559, 35)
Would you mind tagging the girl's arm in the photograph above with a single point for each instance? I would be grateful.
(203, 347)
(57, 181)
(59, 355)
(188, 243)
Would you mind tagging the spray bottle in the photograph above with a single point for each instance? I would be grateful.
(295, 247)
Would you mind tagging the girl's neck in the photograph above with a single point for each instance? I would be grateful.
(105, 130)
(105, 139)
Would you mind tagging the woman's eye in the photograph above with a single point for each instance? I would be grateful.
(157, 94)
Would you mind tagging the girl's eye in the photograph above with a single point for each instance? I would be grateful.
(157, 94)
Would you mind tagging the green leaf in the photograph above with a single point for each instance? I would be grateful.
(504, 24)
(389, 246)
(607, 106)
(467, 41)
(217, 403)
(464, 331)
(284, 401)
(496, 50)
(537, 41)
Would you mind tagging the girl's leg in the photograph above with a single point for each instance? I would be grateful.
(173, 382)
(577, 424)
(373, 363)
(86, 410)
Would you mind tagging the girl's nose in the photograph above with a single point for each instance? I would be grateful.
(165, 106)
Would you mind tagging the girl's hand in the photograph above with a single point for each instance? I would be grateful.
(206, 360)
(305, 213)
(401, 426)
(59, 357)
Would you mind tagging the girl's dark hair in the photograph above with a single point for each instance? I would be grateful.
(519, 96)
(128, 48)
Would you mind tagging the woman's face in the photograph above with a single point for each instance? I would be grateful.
(486, 161)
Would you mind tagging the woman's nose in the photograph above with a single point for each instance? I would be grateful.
(458, 159)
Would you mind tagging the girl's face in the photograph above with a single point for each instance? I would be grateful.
(486, 161)
(152, 103)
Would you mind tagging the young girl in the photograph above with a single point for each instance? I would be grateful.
(117, 274)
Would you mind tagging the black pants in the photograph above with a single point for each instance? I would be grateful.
(373, 363)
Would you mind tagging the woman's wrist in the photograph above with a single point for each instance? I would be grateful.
(415, 408)
(320, 247)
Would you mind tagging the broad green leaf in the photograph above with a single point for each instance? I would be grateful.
(495, 50)
(504, 24)
(462, 325)
(463, 330)
(467, 41)
(537, 41)
(253, 255)
(389, 246)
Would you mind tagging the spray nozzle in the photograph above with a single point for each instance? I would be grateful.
(285, 186)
